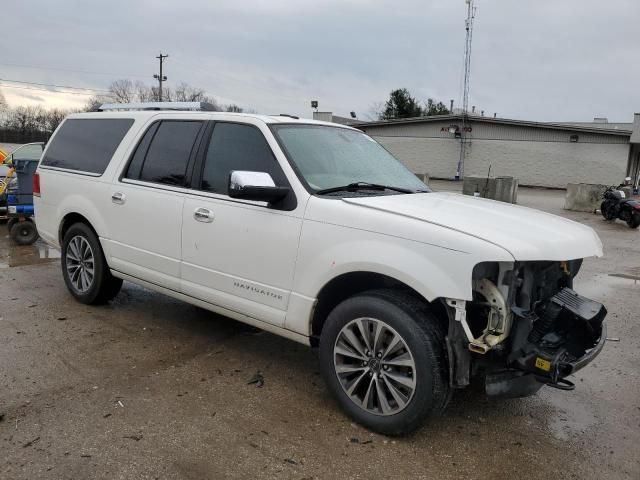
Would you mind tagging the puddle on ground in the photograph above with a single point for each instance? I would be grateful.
(12, 255)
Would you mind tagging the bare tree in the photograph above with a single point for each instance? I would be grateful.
(95, 102)
(144, 93)
(376, 110)
(30, 123)
(123, 91)
(54, 118)
(3, 102)
(126, 91)
(186, 93)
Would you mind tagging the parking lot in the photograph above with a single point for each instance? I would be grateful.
(148, 387)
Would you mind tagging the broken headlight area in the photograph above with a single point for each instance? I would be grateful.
(558, 338)
(524, 327)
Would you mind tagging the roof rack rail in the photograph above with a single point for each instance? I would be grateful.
(180, 106)
(288, 115)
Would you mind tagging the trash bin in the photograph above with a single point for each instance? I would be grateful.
(24, 174)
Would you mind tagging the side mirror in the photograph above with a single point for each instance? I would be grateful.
(256, 186)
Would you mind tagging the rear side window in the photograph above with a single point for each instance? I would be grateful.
(86, 145)
(164, 152)
(237, 147)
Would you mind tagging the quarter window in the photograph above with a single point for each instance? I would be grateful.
(86, 145)
(235, 146)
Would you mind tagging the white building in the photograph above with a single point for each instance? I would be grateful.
(540, 154)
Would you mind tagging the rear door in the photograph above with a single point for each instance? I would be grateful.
(145, 209)
(241, 254)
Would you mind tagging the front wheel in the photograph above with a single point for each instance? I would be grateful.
(383, 356)
(84, 267)
(607, 211)
(634, 221)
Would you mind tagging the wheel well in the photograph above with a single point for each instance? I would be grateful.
(68, 220)
(347, 285)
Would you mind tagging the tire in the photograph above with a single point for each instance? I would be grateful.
(24, 233)
(84, 268)
(421, 382)
(634, 221)
(604, 210)
(10, 223)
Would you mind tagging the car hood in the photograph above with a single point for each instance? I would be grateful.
(526, 233)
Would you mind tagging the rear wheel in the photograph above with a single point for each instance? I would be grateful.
(634, 221)
(84, 267)
(383, 356)
(23, 233)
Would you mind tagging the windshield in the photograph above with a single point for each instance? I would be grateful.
(330, 157)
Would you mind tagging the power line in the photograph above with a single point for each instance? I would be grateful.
(53, 85)
(70, 70)
(4, 85)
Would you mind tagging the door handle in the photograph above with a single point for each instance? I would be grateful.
(203, 215)
(118, 198)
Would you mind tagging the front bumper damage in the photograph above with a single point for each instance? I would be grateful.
(545, 345)
(565, 336)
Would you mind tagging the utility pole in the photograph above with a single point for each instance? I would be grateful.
(161, 78)
(471, 14)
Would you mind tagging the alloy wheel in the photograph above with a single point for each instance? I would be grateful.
(80, 263)
(374, 366)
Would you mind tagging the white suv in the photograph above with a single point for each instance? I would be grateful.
(315, 232)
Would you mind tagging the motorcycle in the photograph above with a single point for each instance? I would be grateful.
(616, 205)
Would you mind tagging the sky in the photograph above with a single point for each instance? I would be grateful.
(544, 60)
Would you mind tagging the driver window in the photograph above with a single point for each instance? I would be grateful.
(236, 146)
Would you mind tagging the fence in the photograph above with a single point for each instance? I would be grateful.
(21, 136)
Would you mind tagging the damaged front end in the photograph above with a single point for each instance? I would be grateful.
(524, 328)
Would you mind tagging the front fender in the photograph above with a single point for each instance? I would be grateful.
(328, 251)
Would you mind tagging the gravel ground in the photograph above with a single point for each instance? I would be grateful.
(148, 387)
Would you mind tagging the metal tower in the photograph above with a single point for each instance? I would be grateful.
(471, 14)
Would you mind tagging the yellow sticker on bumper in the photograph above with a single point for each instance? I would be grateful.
(543, 364)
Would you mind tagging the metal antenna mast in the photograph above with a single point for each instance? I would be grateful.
(471, 14)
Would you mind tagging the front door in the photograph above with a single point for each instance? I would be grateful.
(239, 255)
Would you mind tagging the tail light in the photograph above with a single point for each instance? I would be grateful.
(36, 184)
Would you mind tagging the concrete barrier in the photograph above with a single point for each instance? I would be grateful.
(504, 189)
(583, 197)
(424, 177)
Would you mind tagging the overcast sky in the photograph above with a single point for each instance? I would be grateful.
(537, 60)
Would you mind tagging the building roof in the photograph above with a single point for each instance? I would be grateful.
(502, 121)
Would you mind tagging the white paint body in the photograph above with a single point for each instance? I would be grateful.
(266, 267)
